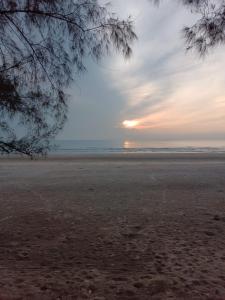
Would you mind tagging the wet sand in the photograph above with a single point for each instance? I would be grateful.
(113, 227)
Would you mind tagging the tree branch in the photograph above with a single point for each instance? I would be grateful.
(16, 65)
(53, 15)
(31, 46)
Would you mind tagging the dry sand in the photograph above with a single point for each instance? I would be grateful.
(113, 227)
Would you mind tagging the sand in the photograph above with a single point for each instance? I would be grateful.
(113, 227)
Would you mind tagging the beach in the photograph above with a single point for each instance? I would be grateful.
(105, 227)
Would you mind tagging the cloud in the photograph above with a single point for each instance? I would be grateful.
(169, 92)
(165, 88)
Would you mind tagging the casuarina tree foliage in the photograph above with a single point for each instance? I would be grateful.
(43, 44)
(209, 30)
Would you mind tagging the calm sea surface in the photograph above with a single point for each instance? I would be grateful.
(68, 147)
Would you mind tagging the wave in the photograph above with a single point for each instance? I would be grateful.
(100, 148)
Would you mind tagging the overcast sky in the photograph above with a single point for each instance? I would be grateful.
(162, 91)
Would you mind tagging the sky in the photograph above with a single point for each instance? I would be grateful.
(161, 92)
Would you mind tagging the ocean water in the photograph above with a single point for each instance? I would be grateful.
(70, 147)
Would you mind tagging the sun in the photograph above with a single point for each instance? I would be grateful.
(130, 123)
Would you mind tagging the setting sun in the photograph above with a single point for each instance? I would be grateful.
(130, 123)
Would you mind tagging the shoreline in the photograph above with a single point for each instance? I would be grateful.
(120, 156)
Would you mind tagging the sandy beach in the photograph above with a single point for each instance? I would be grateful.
(134, 227)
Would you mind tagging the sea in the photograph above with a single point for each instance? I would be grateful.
(73, 147)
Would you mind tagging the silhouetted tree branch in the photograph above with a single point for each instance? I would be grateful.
(42, 44)
(209, 30)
